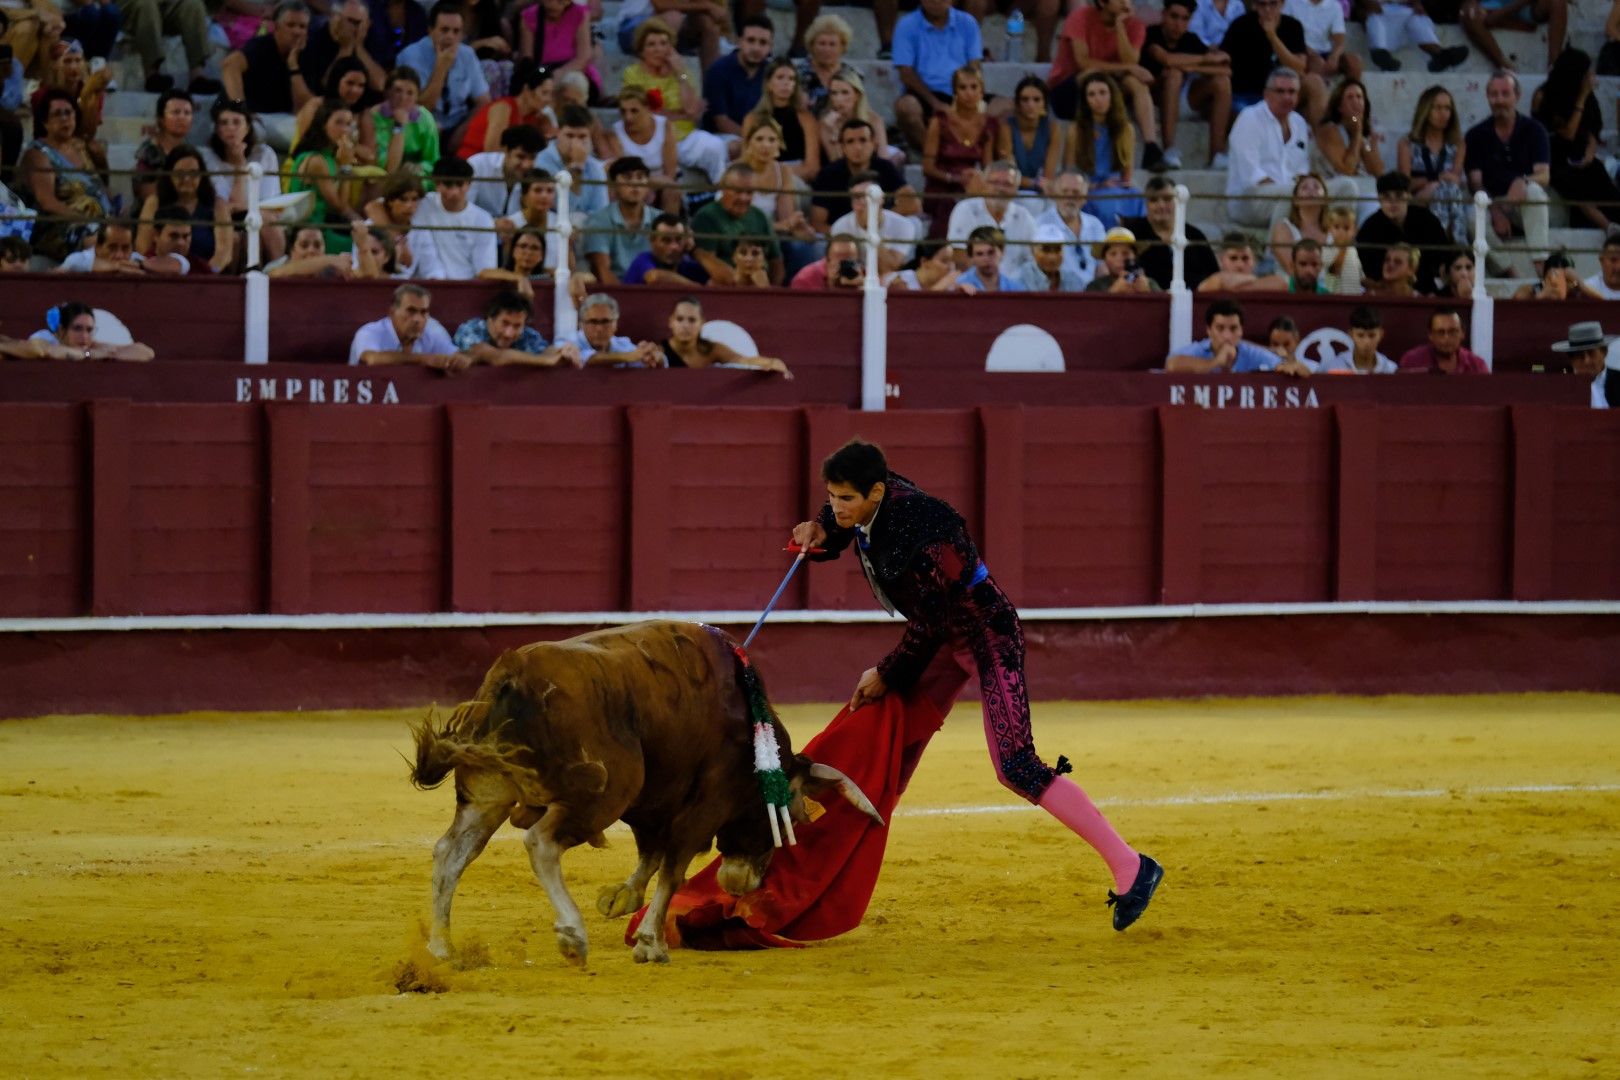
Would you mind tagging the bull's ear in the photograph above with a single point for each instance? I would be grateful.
(818, 779)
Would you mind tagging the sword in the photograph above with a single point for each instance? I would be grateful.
(777, 595)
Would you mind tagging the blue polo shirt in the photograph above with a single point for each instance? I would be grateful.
(586, 198)
(1006, 284)
(1250, 357)
(933, 52)
(465, 81)
(730, 91)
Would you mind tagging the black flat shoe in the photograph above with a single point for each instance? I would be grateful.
(1129, 906)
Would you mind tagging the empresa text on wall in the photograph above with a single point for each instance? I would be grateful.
(318, 391)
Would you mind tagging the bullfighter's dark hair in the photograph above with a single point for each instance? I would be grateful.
(857, 463)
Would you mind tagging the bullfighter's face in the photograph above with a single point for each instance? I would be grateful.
(850, 507)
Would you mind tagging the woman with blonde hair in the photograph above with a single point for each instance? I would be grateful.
(1305, 220)
(661, 73)
(777, 190)
(1101, 147)
(826, 41)
(782, 100)
(961, 141)
(846, 100)
(1432, 157)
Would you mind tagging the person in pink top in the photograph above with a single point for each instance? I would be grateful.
(556, 34)
(1104, 36)
(842, 268)
(1444, 354)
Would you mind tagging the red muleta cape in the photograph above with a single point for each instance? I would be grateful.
(820, 887)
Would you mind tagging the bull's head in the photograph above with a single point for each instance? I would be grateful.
(747, 855)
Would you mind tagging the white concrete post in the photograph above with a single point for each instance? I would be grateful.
(874, 312)
(564, 319)
(1181, 298)
(1482, 315)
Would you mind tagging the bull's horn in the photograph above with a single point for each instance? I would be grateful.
(849, 788)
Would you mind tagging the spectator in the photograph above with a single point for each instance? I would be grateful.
(1399, 272)
(1398, 221)
(491, 33)
(408, 334)
(1347, 145)
(1270, 150)
(933, 270)
(1606, 282)
(1224, 350)
(686, 348)
(70, 334)
(1282, 338)
(503, 336)
(1212, 18)
(733, 84)
(846, 101)
(842, 268)
(899, 233)
(230, 150)
(172, 244)
(1458, 283)
(719, 224)
(571, 150)
(931, 47)
(147, 22)
(617, 233)
(1101, 147)
(319, 161)
(1118, 270)
(1608, 62)
(1036, 140)
(173, 130)
(114, 253)
(997, 210)
(395, 207)
(453, 82)
(1261, 41)
(406, 133)
(266, 76)
(394, 25)
(346, 83)
(537, 211)
(1480, 17)
(666, 260)
(454, 238)
(530, 259)
(1445, 353)
(1342, 261)
(857, 140)
(15, 254)
(658, 67)
(95, 25)
(1307, 274)
(827, 40)
(1431, 156)
(1558, 282)
(1184, 65)
(1157, 233)
(306, 254)
(556, 36)
(523, 108)
(1104, 38)
(598, 338)
(67, 72)
(1508, 158)
(776, 192)
(1067, 193)
(1323, 23)
(341, 36)
(642, 132)
(748, 267)
(59, 180)
(498, 174)
(1237, 274)
(186, 190)
(11, 102)
(1567, 106)
(1366, 334)
(1047, 271)
(700, 24)
(1394, 24)
(1304, 220)
(783, 102)
(1044, 15)
(1587, 349)
(985, 246)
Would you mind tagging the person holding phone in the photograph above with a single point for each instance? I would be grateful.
(1117, 268)
(842, 268)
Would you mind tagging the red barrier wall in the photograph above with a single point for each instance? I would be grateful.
(116, 508)
(199, 318)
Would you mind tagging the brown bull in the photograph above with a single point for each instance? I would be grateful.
(645, 724)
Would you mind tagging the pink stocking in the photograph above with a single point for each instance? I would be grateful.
(1065, 801)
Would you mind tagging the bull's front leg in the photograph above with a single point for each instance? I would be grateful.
(616, 900)
(471, 829)
(650, 941)
(545, 855)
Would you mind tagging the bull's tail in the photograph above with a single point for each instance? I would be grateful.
(439, 749)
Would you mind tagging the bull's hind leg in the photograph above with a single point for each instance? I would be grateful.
(650, 941)
(545, 855)
(474, 824)
(616, 900)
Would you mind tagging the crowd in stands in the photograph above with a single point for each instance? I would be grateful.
(423, 143)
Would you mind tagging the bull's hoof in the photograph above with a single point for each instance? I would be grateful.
(617, 900)
(571, 943)
(439, 948)
(648, 951)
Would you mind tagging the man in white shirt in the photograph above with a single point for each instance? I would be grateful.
(454, 239)
(114, 253)
(1068, 192)
(1271, 148)
(1606, 282)
(498, 174)
(407, 335)
(1323, 21)
(998, 211)
(898, 232)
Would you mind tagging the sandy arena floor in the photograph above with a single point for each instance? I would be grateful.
(1354, 888)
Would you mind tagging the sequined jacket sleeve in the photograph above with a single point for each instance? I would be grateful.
(933, 588)
(837, 538)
